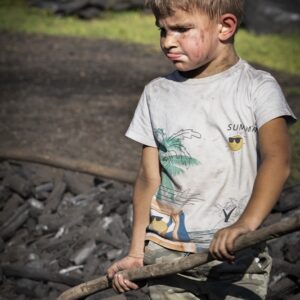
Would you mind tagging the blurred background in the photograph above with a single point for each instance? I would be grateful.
(71, 74)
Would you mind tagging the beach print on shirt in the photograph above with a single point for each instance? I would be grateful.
(167, 217)
(168, 222)
(175, 160)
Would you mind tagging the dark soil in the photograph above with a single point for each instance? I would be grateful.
(75, 97)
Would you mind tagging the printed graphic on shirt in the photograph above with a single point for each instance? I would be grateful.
(235, 142)
(167, 222)
(237, 133)
(175, 159)
(230, 210)
(241, 127)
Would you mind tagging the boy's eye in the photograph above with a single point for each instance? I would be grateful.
(162, 31)
(182, 29)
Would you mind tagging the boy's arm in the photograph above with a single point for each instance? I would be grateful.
(146, 184)
(274, 170)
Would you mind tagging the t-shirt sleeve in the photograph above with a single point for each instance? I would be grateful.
(140, 128)
(270, 103)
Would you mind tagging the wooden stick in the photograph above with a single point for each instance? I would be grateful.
(69, 164)
(287, 225)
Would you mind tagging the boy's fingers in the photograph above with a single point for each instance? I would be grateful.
(113, 270)
(131, 285)
(123, 285)
(214, 249)
(219, 247)
(117, 283)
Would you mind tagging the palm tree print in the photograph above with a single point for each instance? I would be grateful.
(174, 158)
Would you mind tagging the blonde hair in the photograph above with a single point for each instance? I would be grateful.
(213, 8)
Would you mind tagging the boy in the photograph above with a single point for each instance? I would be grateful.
(215, 156)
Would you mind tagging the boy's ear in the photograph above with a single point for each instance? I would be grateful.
(227, 27)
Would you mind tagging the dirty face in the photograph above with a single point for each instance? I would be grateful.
(189, 39)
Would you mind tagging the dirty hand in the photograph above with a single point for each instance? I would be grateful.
(119, 283)
(222, 244)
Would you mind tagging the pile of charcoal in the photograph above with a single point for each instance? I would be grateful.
(60, 228)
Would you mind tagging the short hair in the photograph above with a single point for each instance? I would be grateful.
(213, 8)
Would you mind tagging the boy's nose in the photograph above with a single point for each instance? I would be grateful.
(168, 41)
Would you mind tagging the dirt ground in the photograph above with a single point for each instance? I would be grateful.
(75, 97)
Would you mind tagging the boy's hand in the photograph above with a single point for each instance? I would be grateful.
(119, 283)
(221, 246)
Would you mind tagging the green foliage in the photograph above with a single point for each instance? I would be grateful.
(278, 52)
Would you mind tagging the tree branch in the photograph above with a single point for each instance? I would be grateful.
(69, 164)
(287, 225)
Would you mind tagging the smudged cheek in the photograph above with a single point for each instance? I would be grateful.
(194, 47)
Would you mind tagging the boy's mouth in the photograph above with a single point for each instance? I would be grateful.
(173, 56)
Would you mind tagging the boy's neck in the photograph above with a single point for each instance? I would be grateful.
(220, 64)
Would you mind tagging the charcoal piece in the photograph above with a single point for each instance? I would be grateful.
(140, 294)
(14, 222)
(5, 193)
(289, 199)
(20, 238)
(51, 223)
(10, 207)
(2, 245)
(18, 184)
(41, 291)
(106, 295)
(116, 229)
(113, 254)
(291, 249)
(103, 266)
(1, 276)
(291, 270)
(99, 181)
(77, 184)
(42, 191)
(63, 262)
(39, 274)
(58, 288)
(122, 209)
(109, 206)
(55, 197)
(292, 297)
(36, 208)
(30, 224)
(90, 267)
(26, 287)
(81, 255)
(280, 288)
(101, 236)
(15, 253)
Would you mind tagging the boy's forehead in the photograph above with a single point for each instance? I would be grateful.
(180, 16)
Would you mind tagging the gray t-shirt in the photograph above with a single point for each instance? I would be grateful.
(206, 131)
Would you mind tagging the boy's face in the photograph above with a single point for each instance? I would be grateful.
(189, 39)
